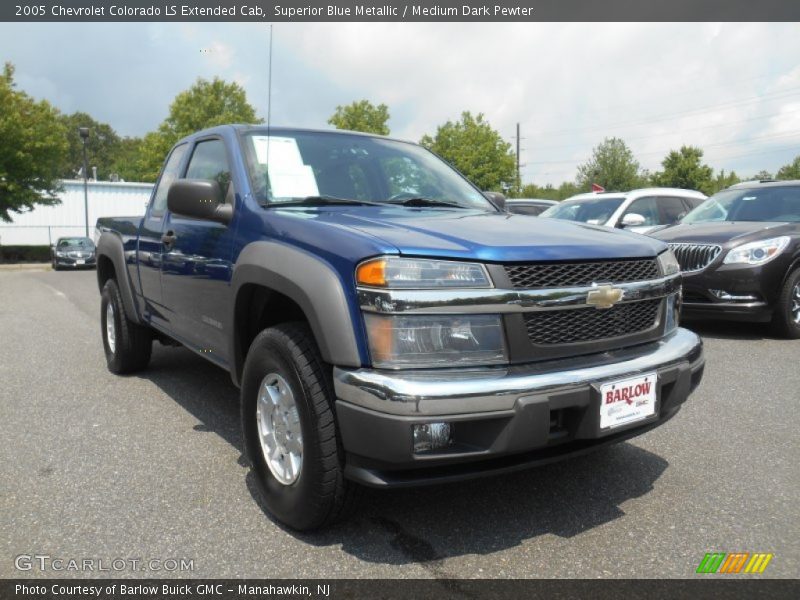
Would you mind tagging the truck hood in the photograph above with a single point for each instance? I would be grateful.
(721, 232)
(490, 237)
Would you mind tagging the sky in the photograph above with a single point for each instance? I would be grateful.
(733, 89)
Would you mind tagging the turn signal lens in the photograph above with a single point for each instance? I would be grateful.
(372, 273)
(396, 272)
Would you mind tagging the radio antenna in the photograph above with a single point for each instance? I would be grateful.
(269, 82)
(269, 106)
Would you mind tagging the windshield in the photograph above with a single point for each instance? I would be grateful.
(82, 242)
(774, 204)
(595, 211)
(293, 166)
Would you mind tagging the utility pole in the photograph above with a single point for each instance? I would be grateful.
(518, 138)
(84, 133)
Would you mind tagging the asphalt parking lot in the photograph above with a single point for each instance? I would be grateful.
(150, 466)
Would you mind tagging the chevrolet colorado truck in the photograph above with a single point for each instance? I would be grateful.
(388, 323)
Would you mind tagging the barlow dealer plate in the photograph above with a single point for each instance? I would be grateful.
(80, 262)
(627, 400)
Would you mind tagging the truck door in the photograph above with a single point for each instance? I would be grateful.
(196, 269)
(151, 247)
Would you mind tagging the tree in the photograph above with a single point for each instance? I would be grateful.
(723, 180)
(548, 192)
(205, 104)
(101, 147)
(126, 159)
(684, 169)
(790, 171)
(32, 148)
(477, 150)
(362, 115)
(612, 165)
(762, 174)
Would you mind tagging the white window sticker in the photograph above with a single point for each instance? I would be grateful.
(288, 176)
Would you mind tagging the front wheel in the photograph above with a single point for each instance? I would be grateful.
(126, 344)
(786, 320)
(290, 429)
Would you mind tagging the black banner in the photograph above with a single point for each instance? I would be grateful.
(390, 589)
(399, 10)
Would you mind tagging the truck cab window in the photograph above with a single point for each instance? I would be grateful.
(209, 161)
(168, 175)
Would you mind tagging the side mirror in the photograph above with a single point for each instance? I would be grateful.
(199, 199)
(633, 220)
(496, 198)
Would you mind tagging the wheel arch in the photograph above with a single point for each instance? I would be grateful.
(273, 283)
(111, 264)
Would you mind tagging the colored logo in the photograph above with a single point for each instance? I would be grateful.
(734, 562)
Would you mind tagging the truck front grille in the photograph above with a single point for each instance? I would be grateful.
(695, 257)
(546, 328)
(573, 274)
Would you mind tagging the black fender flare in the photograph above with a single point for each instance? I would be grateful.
(312, 284)
(110, 246)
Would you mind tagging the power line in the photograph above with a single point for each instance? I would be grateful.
(657, 152)
(727, 124)
(666, 117)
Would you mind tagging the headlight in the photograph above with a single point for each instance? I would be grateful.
(757, 253)
(411, 273)
(61, 254)
(435, 341)
(668, 264)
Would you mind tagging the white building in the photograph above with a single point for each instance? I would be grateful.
(45, 224)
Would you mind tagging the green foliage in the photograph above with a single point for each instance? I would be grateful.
(613, 166)
(24, 254)
(723, 180)
(477, 150)
(790, 171)
(762, 174)
(548, 192)
(32, 146)
(684, 169)
(362, 115)
(205, 104)
(101, 146)
(126, 159)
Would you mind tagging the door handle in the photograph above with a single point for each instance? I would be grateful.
(169, 238)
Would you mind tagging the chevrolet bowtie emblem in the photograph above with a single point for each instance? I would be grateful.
(604, 296)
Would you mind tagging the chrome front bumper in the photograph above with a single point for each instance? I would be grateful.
(462, 391)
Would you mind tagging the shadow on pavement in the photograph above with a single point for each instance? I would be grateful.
(730, 330)
(426, 525)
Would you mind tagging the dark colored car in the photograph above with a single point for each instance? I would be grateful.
(739, 252)
(529, 206)
(73, 253)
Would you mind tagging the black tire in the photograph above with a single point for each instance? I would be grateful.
(133, 343)
(55, 266)
(320, 495)
(783, 323)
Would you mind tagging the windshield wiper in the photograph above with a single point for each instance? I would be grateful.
(422, 201)
(322, 201)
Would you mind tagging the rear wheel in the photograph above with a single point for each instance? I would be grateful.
(786, 320)
(290, 429)
(127, 345)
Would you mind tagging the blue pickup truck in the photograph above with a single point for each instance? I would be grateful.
(388, 323)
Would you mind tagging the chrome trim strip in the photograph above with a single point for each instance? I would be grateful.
(503, 301)
(458, 391)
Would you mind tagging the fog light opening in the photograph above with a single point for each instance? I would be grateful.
(723, 295)
(431, 436)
